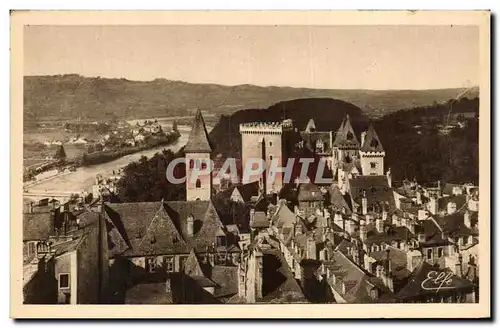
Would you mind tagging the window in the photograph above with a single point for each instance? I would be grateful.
(440, 252)
(221, 258)
(270, 143)
(191, 163)
(64, 281)
(31, 248)
(271, 157)
(151, 264)
(465, 241)
(203, 165)
(429, 254)
(169, 263)
(198, 183)
(373, 165)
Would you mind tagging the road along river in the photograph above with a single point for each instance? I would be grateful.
(84, 177)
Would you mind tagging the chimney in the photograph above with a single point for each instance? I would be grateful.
(413, 259)
(363, 136)
(467, 220)
(379, 224)
(451, 208)
(258, 274)
(419, 197)
(384, 213)
(364, 204)
(190, 225)
(411, 226)
(433, 205)
(350, 227)
(389, 177)
(458, 266)
(422, 215)
(362, 230)
(439, 187)
(311, 248)
(389, 282)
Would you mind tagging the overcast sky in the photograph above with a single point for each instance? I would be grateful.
(334, 57)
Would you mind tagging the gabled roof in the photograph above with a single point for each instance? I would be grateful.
(246, 191)
(37, 226)
(345, 135)
(419, 284)
(356, 280)
(372, 142)
(133, 226)
(338, 201)
(376, 188)
(284, 217)
(311, 126)
(161, 237)
(198, 138)
(309, 192)
(192, 266)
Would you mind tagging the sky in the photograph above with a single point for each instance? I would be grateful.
(329, 57)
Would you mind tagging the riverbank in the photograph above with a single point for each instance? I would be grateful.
(110, 155)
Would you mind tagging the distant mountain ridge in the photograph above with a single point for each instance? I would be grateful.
(69, 97)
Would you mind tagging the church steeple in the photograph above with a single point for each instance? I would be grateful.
(198, 138)
(198, 161)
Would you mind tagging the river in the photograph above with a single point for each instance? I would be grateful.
(83, 178)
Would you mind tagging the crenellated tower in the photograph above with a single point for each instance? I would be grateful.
(266, 141)
(371, 153)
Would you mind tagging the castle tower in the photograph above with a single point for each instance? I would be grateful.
(266, 141)
(345, 145)
(198, 150)
(372, 154)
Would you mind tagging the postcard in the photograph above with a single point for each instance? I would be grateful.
(203, 164)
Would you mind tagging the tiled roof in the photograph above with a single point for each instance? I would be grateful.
(448, 188)
(372, 142)
(161, 227)
(338, 201)
(248, 190)
(377, 190)
(398, 261)
(356, 280)
(37, 226)
(311, 126)
(391, 234)
(312, 138)
(259, 220)
(153, 293)
(289, 290)
(345, 135)
(226, 278)
(309, 192)
(459, 200)
(284, 217)
(416, 280)
(198, 141)
(454, 225)
(433, 235)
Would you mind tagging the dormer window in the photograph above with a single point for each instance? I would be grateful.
(350, 136)
(374, 293)
(374, 143)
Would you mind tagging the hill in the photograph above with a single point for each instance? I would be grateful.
(67, 97)
(423, 153)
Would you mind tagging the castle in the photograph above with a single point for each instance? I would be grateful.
(345, 156)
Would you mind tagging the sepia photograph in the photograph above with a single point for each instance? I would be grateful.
(311, 162)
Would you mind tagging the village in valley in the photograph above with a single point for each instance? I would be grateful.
(365, 238)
